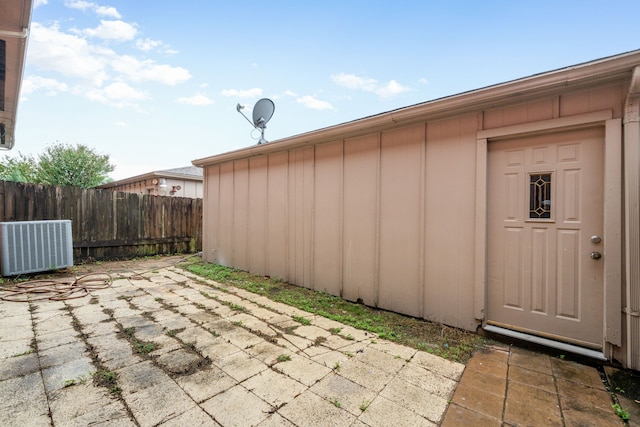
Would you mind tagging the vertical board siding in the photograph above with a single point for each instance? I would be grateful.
(225, 216)
(360, 219)
(400, 212)
(277, 218)
(257, 227)
(450, 226)
(211, 215)
(240, 213)
(367, 218)
(301, 207)
(107, 224)
(327, 219)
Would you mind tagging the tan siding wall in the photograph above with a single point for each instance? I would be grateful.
(257, 227)
(360, 219)
(300, 218)
(188, 188)
(603, 98)
(526, 112)
(277, 232)
(388, 217)
(327, 219)
(240, 213)
(450, 224)
(226, 213)
(210, 213)
(401, 163)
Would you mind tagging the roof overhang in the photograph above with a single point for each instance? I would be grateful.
(598, 72)
(15, 18)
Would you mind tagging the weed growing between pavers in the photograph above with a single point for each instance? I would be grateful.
(302, 320)
(108, 379)
(621, 412)
(102, 377)
(80, 379)
(284, 358)
(140, 347)
(174, 332)
(441, 340)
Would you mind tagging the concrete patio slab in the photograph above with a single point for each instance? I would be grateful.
(178, 352)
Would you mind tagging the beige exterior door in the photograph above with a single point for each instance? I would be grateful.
(545, 202)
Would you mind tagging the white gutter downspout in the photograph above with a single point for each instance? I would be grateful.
(631, 124)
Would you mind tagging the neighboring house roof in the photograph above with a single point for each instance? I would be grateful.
(538, 85)
(190, 173)
(15, 18)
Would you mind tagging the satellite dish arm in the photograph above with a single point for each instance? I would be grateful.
(240, 107)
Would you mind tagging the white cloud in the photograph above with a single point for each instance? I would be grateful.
(147, 45)
(38, 3)
(79, 4)
(108, 11)
(138, 70)
(313, 103)
(73, 63)
(51, 87)
(111, 12)
(118, 94)
(351, 81)
(121, 124)
(198, 100)
(67, 54)
(113, 30)
(242, 93)
(391, 89)
(423, 81)
(285, 93)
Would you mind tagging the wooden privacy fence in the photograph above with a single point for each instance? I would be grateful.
(107, 224)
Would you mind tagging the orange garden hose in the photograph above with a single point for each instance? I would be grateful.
(56, 290)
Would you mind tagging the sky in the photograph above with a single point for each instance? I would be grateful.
(155, 83)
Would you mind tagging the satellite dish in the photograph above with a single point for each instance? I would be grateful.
(262, 113)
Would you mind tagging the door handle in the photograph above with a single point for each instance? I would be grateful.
(595, 255)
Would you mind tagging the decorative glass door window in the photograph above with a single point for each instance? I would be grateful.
(540, 196)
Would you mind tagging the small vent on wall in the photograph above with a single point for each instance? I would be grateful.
(31, 246)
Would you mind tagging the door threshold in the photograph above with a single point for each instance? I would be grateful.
(594, 354)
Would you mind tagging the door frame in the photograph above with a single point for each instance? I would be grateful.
(612, 237)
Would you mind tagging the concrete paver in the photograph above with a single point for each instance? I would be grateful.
(179, 352)
(510, 386)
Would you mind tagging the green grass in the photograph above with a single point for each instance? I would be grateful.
(448, 342)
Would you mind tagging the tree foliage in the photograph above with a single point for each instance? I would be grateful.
(60, 164)
(19, 169)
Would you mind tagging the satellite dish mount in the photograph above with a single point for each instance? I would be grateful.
(262, 113)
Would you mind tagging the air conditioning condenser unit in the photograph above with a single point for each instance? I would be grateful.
(32, 246)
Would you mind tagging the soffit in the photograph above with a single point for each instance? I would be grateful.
(15, 17)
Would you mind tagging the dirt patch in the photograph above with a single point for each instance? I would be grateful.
(626, 382)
